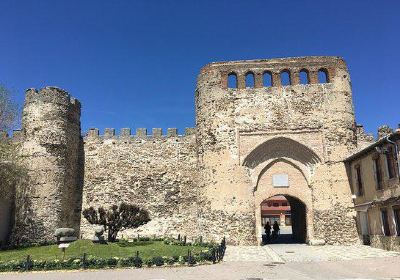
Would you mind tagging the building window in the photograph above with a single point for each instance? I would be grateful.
(288, 220)
(390, 163)
(285, 78)
(323, 76)
(276, 204)
(378, 173)
(232, 80)
(284, 204)
(273, 218)
(359, 180)
(385, 223)
(267, 79)
(250, 79)
(304, 77)
(396, 213)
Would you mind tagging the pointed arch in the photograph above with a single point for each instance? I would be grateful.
(265, 168)
(281, 147)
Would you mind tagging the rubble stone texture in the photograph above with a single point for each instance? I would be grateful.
(384, 131)
(209, 182)
(51, 145)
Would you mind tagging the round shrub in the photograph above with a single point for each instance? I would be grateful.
(125, 262)
(39, 265)
(170, 260)
(149, 262)
(167, 241)
(52, 265)
(158, 261)
(112, 261)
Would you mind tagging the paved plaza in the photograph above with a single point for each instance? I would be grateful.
(303, 253)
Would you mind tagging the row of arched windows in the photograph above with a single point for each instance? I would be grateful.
(267, 78)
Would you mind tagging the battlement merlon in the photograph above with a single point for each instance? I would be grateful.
(292, 65)
(141, 133)
(51, 95)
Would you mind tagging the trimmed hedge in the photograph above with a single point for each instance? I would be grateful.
(91, 262)
(214, 250)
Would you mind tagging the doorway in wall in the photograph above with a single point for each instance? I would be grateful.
(289, 213)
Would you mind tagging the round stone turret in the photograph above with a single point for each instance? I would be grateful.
(50, 143)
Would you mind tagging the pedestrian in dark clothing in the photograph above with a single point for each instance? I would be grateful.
(276, 230)
(267, 228)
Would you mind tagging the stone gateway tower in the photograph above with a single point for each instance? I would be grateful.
(269, 139)
(256, 140)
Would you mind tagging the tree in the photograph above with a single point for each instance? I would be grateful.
(117, 218)
(11, 170)
(9, 109)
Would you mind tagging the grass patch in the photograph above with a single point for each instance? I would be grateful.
(76, 249)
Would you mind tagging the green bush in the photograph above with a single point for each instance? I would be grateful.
(192, 261)
(149, 262)
(125, 262)
(112, 261)
(181, 260)
(158, 261)
(131, 261)
(39, 265)
(171, 260)
(123, 242)
(167, 241)
(52, 265)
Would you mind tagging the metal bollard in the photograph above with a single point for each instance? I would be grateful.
(27, 262)
(84, 260)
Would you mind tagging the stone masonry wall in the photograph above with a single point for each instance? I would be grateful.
(50, 140)
(156, 172)
(203, 182)
(223, 114)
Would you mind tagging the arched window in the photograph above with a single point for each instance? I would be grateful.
(304, 77)
(285, 78)
(250, 79)
(267, 79)
(323, 76)
(232, 80)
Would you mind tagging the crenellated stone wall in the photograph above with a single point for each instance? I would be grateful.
(156, 172)
(210, 181)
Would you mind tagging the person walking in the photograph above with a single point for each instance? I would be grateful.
(276, 230)
(267, 228)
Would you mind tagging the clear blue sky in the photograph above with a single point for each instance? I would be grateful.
(134, 63)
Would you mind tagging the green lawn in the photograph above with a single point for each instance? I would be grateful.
(76, 249)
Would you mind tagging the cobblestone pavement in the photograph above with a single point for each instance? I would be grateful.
(303, 253)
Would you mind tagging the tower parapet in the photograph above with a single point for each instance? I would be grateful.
(51, 144)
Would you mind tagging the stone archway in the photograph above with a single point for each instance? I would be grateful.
(284, 166)
(297, 192)
(298, 218)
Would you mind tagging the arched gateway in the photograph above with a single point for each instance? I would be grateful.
(283, 166)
